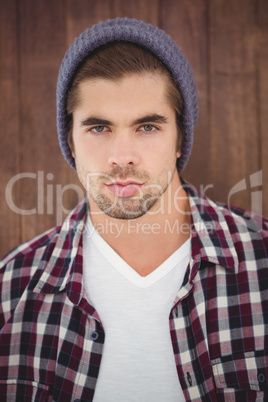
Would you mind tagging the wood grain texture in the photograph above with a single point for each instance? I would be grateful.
(235, 140)
(226, 43)
(9, 125)
(263, 97)
(187, 23)
(42, 24)
(82, 14)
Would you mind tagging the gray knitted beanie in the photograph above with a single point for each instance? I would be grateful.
(146, 35)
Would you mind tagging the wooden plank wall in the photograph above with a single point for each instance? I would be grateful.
(226, 42)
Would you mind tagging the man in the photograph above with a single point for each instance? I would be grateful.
(148, 291)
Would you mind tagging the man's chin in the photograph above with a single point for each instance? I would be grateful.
(124, 208)
(125, 216)
(127, 210)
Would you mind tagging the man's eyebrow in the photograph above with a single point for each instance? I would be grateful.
(151, 118)
(90, 121)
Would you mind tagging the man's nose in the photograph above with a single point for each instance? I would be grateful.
(123, 151)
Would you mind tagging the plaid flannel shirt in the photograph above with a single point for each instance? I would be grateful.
(51, 338)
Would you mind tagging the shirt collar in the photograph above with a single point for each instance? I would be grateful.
(211, 237)
(211, 241)
(63, 264)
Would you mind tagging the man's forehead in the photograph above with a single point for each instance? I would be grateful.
(132, 88)
(146, 76)
(137, 97)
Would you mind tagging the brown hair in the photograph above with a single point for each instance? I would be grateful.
(115, 60)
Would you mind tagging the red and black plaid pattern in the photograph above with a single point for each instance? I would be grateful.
(51, 338)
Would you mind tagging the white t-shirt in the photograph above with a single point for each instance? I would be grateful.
(138, 363)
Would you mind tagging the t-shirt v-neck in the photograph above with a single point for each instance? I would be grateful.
(92, 238)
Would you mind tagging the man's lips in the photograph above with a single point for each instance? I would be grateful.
(124, 189)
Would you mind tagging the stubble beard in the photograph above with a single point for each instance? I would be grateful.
(125, 208)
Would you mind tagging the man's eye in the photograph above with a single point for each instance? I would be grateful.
(148, 127)
(98, 129)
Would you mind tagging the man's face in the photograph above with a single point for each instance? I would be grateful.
(125, 136)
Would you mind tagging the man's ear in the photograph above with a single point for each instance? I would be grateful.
(73, 155)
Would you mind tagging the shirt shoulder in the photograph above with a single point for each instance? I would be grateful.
(42, 257)
(247, 235)
(27, 251)
(22, 266)
(243, 222)
(31, 251)
(227, 235)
